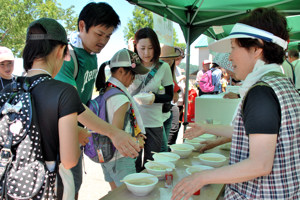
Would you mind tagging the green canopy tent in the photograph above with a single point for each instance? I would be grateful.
(196, 16)
(294, 45)
(219, 32)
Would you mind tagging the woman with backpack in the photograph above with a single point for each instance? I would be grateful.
(147, 46)
(57, 104)
(123, 112)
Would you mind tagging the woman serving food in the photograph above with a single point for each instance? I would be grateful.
(264, 159)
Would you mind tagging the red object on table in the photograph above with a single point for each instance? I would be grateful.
(169, 178)
(197, 192)
(191, 106)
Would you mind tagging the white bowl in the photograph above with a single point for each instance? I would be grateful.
(140, 187)
(207, 136)
(226, 146)
(212, 159)
(183, 150)
(211, 121)
(143, 98)
(197, 168)
(195, 142)
(158, 170)
(166, 157)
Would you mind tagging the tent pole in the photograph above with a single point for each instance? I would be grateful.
(187, 71)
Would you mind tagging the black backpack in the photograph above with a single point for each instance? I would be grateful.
(23, 172)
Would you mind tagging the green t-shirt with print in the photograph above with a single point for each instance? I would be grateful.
(87, 73)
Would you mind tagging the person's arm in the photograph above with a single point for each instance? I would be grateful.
(231, 95)
(196, 130)
(175, 97)
(83, 135)
(261, 117)
(163, 98)
(68, 140)
(119, 116)
(180, 78)
(125, 144)
(297, 77)
(209, 144)
(261, 156)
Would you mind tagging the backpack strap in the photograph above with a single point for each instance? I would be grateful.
(153, 72)
(98, 104)
(113, 91)
(148, 78)
(75, 61)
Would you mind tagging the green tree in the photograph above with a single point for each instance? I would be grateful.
(16, 15)
(141, 18)
(176, 43)
(144, 18)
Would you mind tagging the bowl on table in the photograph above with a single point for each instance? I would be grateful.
(183, 150)
(197, 168)
(158, 168)
(143, 98)
(212, 159)
(195, 142)
(226, 146)
(140, 184)
(207, 136)
(166, 157)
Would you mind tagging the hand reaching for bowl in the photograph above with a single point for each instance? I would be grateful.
(141, 140)
(209, 144)
(83, 136)
(195, 130)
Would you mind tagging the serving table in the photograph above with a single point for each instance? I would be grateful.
(208, 192)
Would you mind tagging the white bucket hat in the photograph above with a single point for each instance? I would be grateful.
(222, 59)
(245, 31)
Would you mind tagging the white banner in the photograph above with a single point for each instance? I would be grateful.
(164, 29)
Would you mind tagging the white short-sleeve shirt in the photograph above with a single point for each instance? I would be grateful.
(152, 114)
(112, 105)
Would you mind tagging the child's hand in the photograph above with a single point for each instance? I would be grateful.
(83, 136)
(141, 140)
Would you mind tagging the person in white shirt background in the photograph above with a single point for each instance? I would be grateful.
(293, 57)
(6, 66)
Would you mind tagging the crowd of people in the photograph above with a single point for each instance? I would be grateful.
(264, 134)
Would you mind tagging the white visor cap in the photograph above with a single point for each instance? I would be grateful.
(245, 31)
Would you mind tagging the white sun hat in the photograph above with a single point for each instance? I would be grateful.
(245, 31)
(222, 59)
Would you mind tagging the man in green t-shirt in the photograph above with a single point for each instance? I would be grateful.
(96, 23)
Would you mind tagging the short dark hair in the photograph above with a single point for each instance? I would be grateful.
(214, 65)
(268, 19)
(294, 53)
(38, 48)
(148, 33)
(94, 14)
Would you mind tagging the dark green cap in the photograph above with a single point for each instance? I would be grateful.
(54, 31)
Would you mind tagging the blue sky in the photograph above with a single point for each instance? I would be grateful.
(124, 10)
